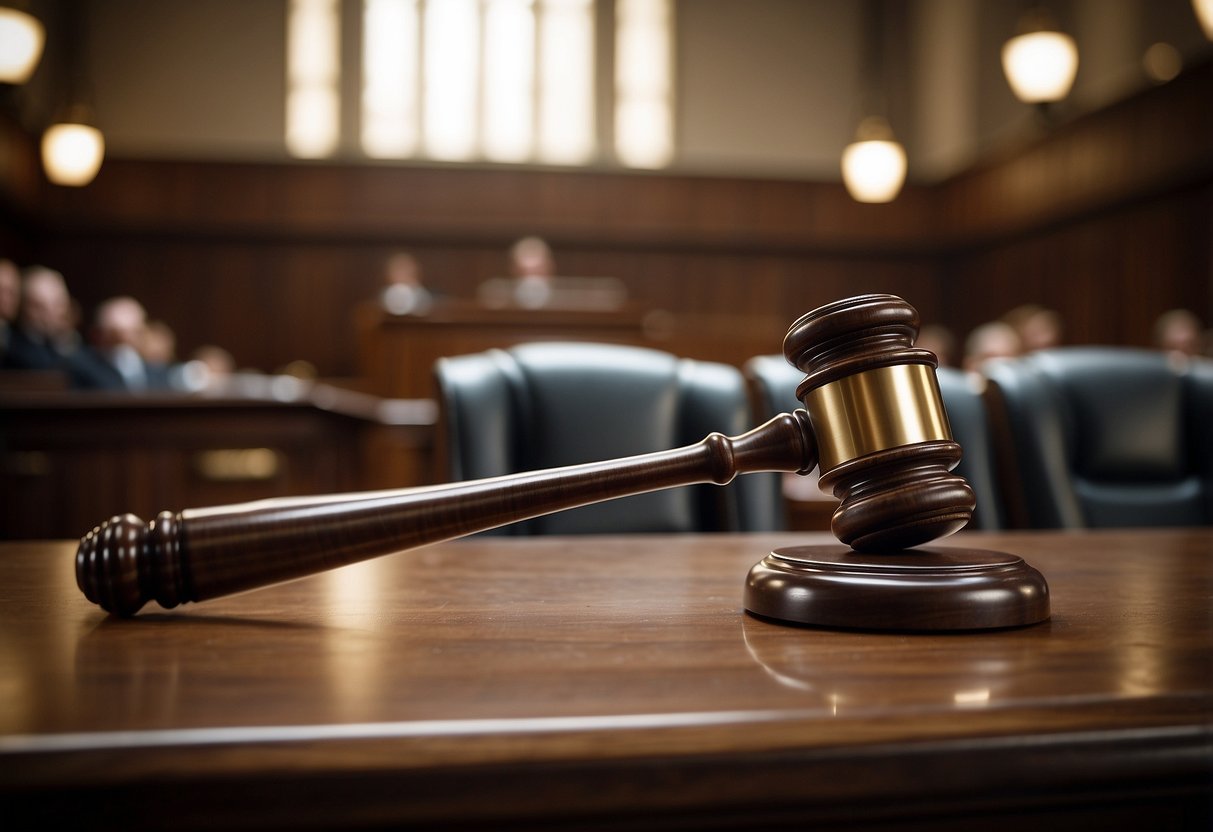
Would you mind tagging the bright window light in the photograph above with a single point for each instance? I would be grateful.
(509, 80)
(452, 71)
(462, 80)
(391, 48)
(644, 124)
(313, 74)
(566, 86)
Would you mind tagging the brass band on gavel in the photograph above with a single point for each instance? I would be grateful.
(884, 408)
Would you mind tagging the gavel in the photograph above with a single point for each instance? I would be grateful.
(873, 420)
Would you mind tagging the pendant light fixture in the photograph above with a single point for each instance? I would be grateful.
(1204, 13)
(21, 39)
(1041, 61)
(874, 163)
(73, 147)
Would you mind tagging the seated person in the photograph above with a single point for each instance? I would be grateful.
(996, 339)
(208, 370)
(1179, 332)
(1038, 328)
(114, 359)
(533, 284)
(404, 292)
(533, 269)
(43, 336)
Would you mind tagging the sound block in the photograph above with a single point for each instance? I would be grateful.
(932, 588)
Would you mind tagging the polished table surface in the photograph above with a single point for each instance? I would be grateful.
(601, 681)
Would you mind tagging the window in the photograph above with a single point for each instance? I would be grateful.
(391, 67)
(509, 80)
(312, 100)
(644, 122)
(497, 80)
(566, 82)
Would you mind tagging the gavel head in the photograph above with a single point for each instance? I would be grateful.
(886, 449)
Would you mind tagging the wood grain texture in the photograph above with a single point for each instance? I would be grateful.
(278, 257)
(602, 682)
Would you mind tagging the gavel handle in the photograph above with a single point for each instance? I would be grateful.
(205, 553)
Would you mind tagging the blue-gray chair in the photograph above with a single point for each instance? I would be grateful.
(1103, 437)
(544, 405)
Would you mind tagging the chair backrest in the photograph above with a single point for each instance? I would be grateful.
(1105, 437)
(773, 383)
(543, 405)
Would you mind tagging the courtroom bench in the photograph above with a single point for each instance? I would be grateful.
(70, 459)
(396, 353)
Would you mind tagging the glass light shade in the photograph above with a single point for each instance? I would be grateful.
(1204, 13)
(72, 153)
(874, 170)
(1040, 66)
(21, 39)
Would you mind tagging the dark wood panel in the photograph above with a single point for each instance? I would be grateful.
(1106, 219)
(70, 460)
(1109, 275)
(383, 203)
(1139, 148)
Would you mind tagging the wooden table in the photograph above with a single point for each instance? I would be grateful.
(609, 682)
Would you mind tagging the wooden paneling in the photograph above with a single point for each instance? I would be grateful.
(70, 460)
(1143, 147)
(397, 353)
(1107, 218)
(1109, 275)
(270, 261)
(379, 202)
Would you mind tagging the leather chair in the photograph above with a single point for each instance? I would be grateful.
(773, 383)
(543, 405)
(1103, 437)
